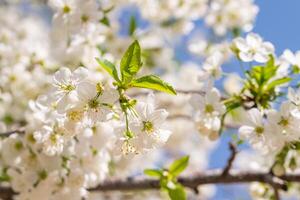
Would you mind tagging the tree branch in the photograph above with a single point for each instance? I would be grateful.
(233, 151)
(210, 177)
(276, 193)
(8, 133)
(193, 181)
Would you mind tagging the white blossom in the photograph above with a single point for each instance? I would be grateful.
(209, 110)
(253, 48)
(65, 83)
(254, 130)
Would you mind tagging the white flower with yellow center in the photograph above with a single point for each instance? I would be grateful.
(253, 130)
(97, 100)
(253, 48)
(52, 139)
(208, 111)
(147, 130)
(65, 83)
(283, 125)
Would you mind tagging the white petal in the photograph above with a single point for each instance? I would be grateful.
(109, 96)
(268, 47)
(253, 40)
(196, 101)
(158, 117)
(245, 132)
(241, 44)
(86, 91)
(164, 135)
(261, 58)
(255, 117)
(246, 57)
(289, 56)
(79, 74)
(212, 96)
(62, 76)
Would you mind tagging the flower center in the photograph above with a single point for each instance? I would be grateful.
(283, 122)
(84, 18)
(128, 148)
(54, 138)
(209, 108)
(259, 130)
(148, 126)
(75, 115)
(12, 78)
(93, 103)
(66, 9)
(67, 88)
(18, 145)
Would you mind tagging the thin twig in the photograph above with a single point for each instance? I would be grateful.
(276, 193)
(135, 94)
(233, 152)
(277, 184)
(8, 133)
(180, 116)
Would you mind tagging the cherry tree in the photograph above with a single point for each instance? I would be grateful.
(96, 104)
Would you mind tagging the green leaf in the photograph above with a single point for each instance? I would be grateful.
(132, 26)
(131, 62)
(153, 82)
(236, 32)
(110, 68)
(4, 177)
(105, 21)
(179, 165)
(178, 193)
(153, 172)
(277, 82)
(295, 69)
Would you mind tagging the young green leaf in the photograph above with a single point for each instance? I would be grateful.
(153, 82)
(277, 82)
(110, 68)
(295, 69)
(132, 26)
(179, 165)
(177, 193)
(153, 172)
(131, 62)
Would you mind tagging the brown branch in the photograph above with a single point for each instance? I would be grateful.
(8, 133)
(209, 177)
(6, 193)
(233, 152)
(180, 116)
(193, 181)
(276, 193)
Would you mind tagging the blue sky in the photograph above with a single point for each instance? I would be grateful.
(279, 22)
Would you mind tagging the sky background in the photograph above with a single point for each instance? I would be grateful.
(278, 21)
